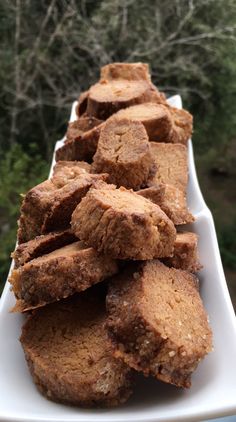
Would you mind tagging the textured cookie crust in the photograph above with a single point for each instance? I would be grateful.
(122, 224)
(70, 357)
(157, 322)
(59, 274)
(123, 152)
(81, 147)
(41, 245)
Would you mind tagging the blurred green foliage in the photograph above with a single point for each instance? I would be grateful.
(50, 51)
(227, 242)
(18, 172)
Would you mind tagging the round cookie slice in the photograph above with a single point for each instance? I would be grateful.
(155, 117)
(123, 152)
(107, 97)
(164, 330)
(59, 274)
(122, 224)
(70, 357)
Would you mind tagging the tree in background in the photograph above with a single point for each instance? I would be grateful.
(52, 50)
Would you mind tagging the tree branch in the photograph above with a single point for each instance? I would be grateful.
(14, 113)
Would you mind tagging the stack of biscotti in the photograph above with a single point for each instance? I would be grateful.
(104, 270)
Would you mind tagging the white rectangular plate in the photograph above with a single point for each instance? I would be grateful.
(213, 391)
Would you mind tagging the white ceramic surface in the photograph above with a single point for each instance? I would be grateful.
(213, 391)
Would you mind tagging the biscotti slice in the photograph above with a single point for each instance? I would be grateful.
(128, 71)
(70, 357)
(171, 200)
(162, 122)
(48, 206)
(182, 125)
(123, 152)
(156, 119)
(185, 255)
(132, 72)
(121, 85)
(107, 97)
(41, 245)
(80, 126)
(172, 164)
(174, 204)
(59, 274)
(157, 321)
(122, 224)
(82, 147)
